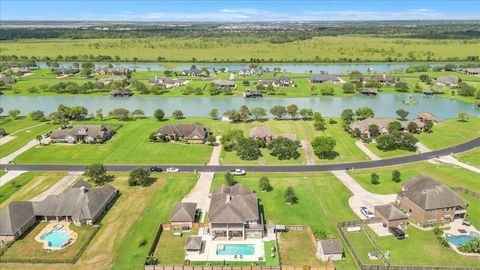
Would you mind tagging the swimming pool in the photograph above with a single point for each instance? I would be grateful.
(56, 238)
(235, 249)
(459, 240)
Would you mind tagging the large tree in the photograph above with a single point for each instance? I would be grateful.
(97, 174)
(230, 138)
(364, 113)
(290, 197)
(284, 148)
(139, 177)
(292, 110)
(159, 114)
(278, 111)
(247, 149)
(214, 113)
(324, 146)
(177, 114)
(347, 116)
(265, 184)
(306, 113)
(259, 113)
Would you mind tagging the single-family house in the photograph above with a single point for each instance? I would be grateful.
(391, 216)
(82, 134)
(19, 71)
(472, 71)
(449, 80)
(265, 83)
(113, 70)
(234, 214)
(283, 81)
(223, 83)
(183, 214)
(325, 78)
(426, 116)
(194, 72)
(66, 71)
(81, 204)
(430, 202)
(168, 82)
(107, 81)
(193, 133)
(7, 80)
(330, 249)
(261, 133)
(382, 124)
(382, 79)
(250, 71)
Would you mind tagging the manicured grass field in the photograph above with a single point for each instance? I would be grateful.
(471, 157)
(11, 125)
(447, 174)
(28, 185)
(130, 145)
(451, 132)
(388, 154)
(28, 248)
(327, 48)
(297, 249)
(170, 249)
(419, 248)
(322, 202)
(23, 137)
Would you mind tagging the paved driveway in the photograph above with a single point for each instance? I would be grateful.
(9, 176)
(60, 186)
(199, 194)
(361, 197)
(307, 147)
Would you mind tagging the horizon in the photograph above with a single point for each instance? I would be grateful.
(238, 11)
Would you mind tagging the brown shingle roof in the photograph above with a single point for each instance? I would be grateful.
(430, 194)
(193, 243)
(235, 204)
(390, 212)
(193, 131)
(331, 246)
(184, 212)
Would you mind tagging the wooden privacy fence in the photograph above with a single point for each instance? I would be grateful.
(399, 267)
(225, 267)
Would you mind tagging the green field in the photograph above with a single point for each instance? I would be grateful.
(471, 157)
(451, 132)
(326, 48)
(27, 186)
(419, 248)
(447, 174)
(322, 202)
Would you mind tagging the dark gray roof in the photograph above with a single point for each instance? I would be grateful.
(94, 131)
(449, 79)
(15, 216)
(331, 246)
(324, 78)
(430, 194)
(260, 132)
(235, 204)
(363, 125)
(390, 212)
(193, 243)
(190, 131)
(382, 78)
(184, 212)
(223, 82)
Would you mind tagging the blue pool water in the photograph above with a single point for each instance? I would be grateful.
(459, 240)
(235, 249)
(56, 238)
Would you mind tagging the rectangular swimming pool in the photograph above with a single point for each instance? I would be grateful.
(235, 249)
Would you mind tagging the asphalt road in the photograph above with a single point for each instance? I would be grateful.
(300, 168)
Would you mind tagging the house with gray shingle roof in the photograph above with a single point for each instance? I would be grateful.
(183, 214)
(82, 204)
(449, 80)
(472, 71)
(223, 83)
(234, 214)
(325, 78)
(193, 244)
(193, 133)
(430, 202)
(168, 82)
(330, 249)
(83, 133)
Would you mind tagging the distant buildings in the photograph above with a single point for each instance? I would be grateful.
(223, 83)
(364, 125)
(472, 71)
(107, 81)
(324, 78)
(449, 80)
(250, 72)
(112, 70)
(168, 82)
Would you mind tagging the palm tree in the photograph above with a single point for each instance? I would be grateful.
(39, 139)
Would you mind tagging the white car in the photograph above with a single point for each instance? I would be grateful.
(367, 212)
(237, 172)
(172, 169)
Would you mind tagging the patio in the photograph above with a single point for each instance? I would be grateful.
(209, 249)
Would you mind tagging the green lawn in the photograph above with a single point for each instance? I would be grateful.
(11, 125)
(170, 249)
(297, 249)
(23, 137)
(28, 185)
(388, 154)
(28, 248)
(322, 202)
(130, 145)
(471, 157)
(419, 248)
(451, 132)
(473, 209)
(447, 174)
(155, 207)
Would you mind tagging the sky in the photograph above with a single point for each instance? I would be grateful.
(238, 11)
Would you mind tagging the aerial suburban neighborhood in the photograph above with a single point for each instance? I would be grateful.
(240, 135)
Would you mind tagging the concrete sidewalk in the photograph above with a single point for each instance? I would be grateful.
(361, 197)
(9, 176)
(60, 186)
(367, 151)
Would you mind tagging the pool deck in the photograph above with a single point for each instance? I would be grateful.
(49, 227)
(209, 252)
(453, 230)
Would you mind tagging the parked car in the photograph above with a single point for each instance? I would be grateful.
(172, 170)
(367, 212)
(237, 172)
(466, 223)
(397, 233)
(155, 169)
